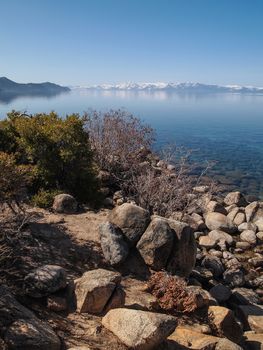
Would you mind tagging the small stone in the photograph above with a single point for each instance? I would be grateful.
(170, 167)
(260, 235)
(222, 236)
(217, 253)
(234, 278)
(214, 264)
(161, 164)
(253, 341)
(226, 344)
(214, 206)
(256, 261)
(239, 218)
(56, 303)
(248, 236)
(233, 263)
(235, 198)
(207, 242)
(198, 234)
(232, 214)
(220, 292)
(229, 208)
(45, 280)
(201, 189)
(259, 224)
(252, 317)
(65, 203)
(185, 338)
(247, 226)
(202, 274)
(218, 221)
(243, 245)
(202, 297)
(227, 255)
(244, 296)
(250, 210)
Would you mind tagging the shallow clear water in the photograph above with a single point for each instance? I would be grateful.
(227, 128)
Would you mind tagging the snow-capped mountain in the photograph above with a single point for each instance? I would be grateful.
(180, 87)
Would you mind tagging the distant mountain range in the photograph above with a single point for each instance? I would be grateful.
(179, 87)
(9, 87)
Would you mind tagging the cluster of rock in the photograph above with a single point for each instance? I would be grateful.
(229, 260)
(162, 243)
(217, 248)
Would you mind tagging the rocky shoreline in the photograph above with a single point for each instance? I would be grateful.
(214, 254)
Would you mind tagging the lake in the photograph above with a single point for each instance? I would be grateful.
(226, 128)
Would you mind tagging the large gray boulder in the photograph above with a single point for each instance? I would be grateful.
(183, 255)
(31, 335)
(113, 245)
(65, 203)
(140, 330)
(94, 289)
(156, 243)
(218, 221)
(21, 329)
(131, 219)
(224, 323)
(45, 280)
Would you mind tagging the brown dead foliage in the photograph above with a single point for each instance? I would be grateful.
(171, 293)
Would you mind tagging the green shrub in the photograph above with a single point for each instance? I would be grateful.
(58, 149)
(44, 198)
(14, 179)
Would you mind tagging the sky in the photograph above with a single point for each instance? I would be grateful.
(85, 42)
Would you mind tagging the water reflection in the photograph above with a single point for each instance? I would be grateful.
(225, 127)
(7, 98)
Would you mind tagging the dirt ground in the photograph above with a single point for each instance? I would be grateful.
(70, 241)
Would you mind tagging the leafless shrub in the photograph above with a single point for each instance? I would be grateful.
(117, 137)
(171, 293)
(162, 191)
(122, 145)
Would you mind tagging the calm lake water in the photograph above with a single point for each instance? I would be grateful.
(227, 128)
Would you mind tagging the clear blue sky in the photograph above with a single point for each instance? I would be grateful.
(95, 41)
